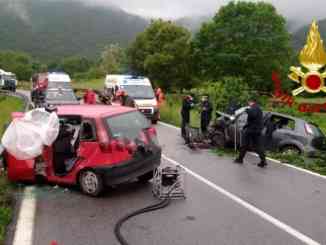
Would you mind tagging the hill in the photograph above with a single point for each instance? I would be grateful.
(299, 37)
(53, 29)
(193, 23)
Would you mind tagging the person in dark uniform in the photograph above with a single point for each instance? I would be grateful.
(206, 113)
(187, 105)
(252, 133)
(62, 149)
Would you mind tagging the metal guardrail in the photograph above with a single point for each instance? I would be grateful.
(19, 95)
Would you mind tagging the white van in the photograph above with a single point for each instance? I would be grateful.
(140, 89)
(8, 81)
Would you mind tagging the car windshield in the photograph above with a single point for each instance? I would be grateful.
(127, 125)
(9, 77)
(63, 85)
(316, 130)
(60, 95)
(139, 91)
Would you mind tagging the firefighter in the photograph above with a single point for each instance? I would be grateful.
(252, 133)
(206, 113)
(187, 105)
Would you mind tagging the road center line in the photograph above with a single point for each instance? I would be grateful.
(293, 232)
(25, 223)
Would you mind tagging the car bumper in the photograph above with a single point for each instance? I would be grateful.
(129, 170)
(150, 113)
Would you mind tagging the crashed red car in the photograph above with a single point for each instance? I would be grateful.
(97, 146)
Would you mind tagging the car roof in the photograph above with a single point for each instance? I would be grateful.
(284, 115)
(93, 111)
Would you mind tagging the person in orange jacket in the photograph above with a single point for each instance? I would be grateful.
(90, 97)
(159, 96)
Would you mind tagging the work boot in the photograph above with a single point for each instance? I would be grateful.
(262, 164)
(239, 161)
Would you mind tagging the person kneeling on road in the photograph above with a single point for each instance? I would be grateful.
(187, 105)
(252, 133)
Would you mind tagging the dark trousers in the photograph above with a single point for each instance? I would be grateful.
(252, 140)
(184, 123)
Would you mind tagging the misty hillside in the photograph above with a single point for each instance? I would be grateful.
(193, 23)
(299, 37)
(52, 29)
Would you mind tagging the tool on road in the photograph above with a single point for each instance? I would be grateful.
(168, 184)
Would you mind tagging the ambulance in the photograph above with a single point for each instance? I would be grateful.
(140, 89)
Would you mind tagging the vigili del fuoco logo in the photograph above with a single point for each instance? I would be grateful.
(310, 77)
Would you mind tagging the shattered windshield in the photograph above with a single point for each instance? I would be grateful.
(127, 125)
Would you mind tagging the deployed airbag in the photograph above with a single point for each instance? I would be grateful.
(25, 137)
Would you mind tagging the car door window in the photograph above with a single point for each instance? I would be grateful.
(88, 132)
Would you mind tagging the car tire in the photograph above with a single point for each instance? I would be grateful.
(291, 149)
(146, 177)
(91, 183)
(218, 140)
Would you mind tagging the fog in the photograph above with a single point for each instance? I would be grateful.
(294, 9)
(297, 11)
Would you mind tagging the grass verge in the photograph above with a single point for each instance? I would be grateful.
(85, 84)
(7, 105)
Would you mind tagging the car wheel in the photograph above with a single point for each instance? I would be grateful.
(146, 177)
(291, 149)
(91, 183)
(218, 140)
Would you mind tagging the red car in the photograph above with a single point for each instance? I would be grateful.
(97, 146)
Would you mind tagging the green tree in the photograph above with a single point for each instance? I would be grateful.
(17, 62)
(244, 39)
(162, 52)
(75, 64)
(112, 59)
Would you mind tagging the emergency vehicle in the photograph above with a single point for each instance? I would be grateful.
(139, 89)
(8, 80)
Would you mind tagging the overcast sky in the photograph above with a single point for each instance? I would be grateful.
(306, 9)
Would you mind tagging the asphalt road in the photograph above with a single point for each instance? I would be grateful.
(211, 214)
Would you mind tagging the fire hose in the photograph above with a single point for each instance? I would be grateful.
(160, 205)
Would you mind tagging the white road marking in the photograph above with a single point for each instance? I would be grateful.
(169, 125)
(268, 158)
(25, 223)
(293, 232)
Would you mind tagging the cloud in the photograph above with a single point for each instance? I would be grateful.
(296, 9)
(18, 8)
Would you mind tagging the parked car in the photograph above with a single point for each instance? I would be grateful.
(50, 88)
(281, 133)
(8, 81)
(97, 146)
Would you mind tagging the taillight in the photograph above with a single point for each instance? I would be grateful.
(131, 147)
(106, 147)
(308, 129)
(120, 146)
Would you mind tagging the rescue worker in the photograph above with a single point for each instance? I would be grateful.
(252, 133)
(90, 97)
(187, 105)
(125, 99)
(206, 113)
(159, 96)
